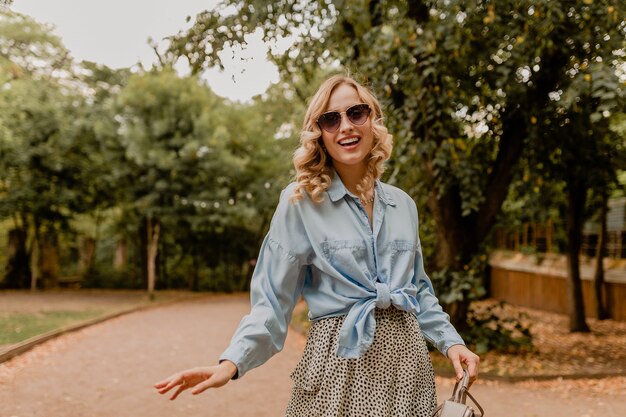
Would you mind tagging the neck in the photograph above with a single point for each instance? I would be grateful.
(351, 175)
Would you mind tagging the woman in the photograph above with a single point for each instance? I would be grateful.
(349, 245)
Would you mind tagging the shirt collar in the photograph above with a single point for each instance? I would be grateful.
(337, 190)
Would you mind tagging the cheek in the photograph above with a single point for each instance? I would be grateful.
(368, 134)
(327, 139)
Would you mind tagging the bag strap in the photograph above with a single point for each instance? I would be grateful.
(482, 412)
(460, 394)
(460, 389)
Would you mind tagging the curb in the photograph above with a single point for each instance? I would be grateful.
(26, 345)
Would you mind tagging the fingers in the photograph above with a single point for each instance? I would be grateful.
(458, 368)
(163, 383)
(472, 367)
(471, 361)
(459, 355)
(199, 378)
(180, 382)
(454, 357)
(216, 380)
(183, 386)
(171, 382)
(166, 385)
(200, 388)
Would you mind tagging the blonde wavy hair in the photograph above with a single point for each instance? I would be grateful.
(314, 166)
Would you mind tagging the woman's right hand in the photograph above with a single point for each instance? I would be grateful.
(200, 379)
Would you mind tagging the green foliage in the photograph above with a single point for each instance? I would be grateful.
(95, 151)
(29, 48)
(493, 329)
(469, 88)
(467, 284)
(104, 275)
(48, 170)
(43, 164)
(163, 126)
(204, 168)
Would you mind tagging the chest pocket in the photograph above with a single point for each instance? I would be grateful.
(401, 258)
(398, 248)
(348, 257)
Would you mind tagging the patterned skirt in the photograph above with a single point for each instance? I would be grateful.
(394, 378)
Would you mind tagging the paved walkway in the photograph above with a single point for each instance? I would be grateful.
(108, 370)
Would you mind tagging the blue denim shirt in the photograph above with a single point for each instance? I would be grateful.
(328, 253)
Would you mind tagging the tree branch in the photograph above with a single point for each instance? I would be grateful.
(515, 130)
(418, 11)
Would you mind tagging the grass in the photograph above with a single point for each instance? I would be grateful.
(17, 327)
(25, 314)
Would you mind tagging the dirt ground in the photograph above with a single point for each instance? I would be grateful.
(109, 369)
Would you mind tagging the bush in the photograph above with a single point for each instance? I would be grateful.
(491, 328)
(105, 276)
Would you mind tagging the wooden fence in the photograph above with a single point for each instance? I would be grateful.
(540, 282)
(540, 238)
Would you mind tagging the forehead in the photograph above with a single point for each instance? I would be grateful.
(342, 97)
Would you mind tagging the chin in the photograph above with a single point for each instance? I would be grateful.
(349, 162)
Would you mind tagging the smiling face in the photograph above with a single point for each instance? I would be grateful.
(350, 144)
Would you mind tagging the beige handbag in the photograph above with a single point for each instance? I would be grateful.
(455, 406)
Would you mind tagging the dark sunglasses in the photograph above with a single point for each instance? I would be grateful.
(357, 114)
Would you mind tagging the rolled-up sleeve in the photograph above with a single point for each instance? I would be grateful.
(434, 322)
(274, 290)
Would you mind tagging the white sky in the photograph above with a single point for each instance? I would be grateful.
(115, 33)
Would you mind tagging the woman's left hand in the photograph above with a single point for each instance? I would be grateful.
(459, 355)
(200, 379)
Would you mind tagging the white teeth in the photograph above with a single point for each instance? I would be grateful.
(349, 141)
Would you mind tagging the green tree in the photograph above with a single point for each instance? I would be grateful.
(28, 47)
(45, 167)
(153, 155)
(463, 84)
(100, 133)
(173, 155)
(579, 149)
(223, 229)
(50, 164)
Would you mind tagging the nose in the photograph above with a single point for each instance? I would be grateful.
(346, 124)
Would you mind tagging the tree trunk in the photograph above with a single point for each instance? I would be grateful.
(152, 228)
(598, 278)
(17, 272)
(49, 259)
(120, 259)
(87, 255)
(161, 262)
(194, 280)
(459, 237)
(576, 195)
(450, 245)
(34, 256)
(143, 253)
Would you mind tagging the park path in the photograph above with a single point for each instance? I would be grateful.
(107, 370)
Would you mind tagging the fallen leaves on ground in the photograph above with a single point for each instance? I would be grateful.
(557, 351)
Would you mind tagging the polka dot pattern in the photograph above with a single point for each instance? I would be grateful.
(394, 378)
